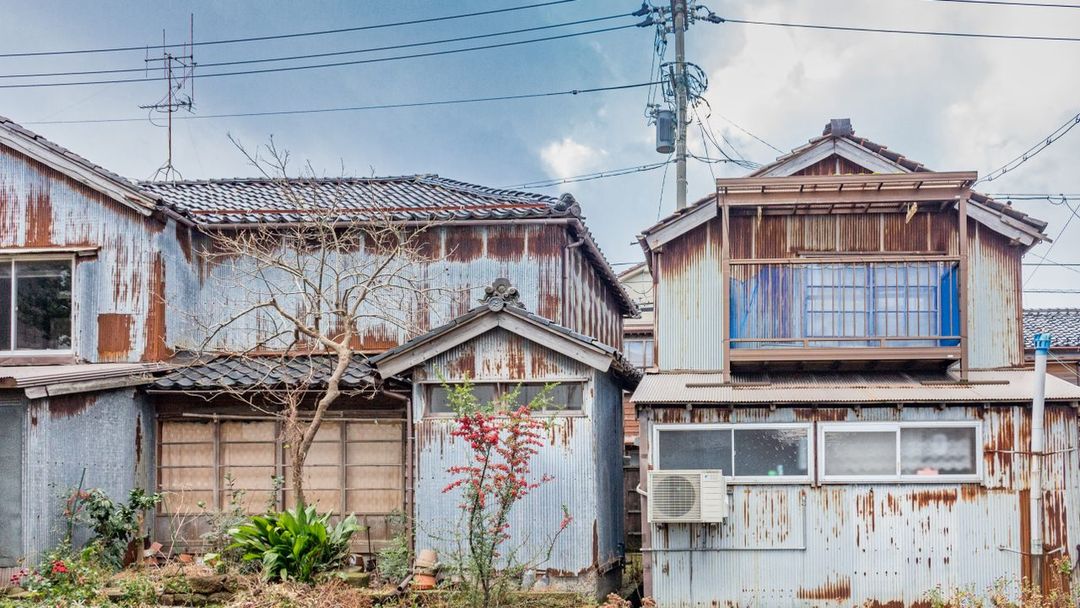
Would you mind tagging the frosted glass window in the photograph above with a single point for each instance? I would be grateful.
(934, 451)
(860, 453)
(766, 452)
(694, 449)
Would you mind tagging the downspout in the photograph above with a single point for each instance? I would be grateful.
(565, 320)
(1038, 406)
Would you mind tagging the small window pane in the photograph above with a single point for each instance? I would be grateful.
(938, 451)
(439, 398)
(5, 305)
(860, 453)
(770, 452)
(706, 449)
(43, 304)
(563, 397)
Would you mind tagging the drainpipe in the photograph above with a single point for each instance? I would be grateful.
(1038, 403)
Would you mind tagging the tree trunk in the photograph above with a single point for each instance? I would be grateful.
(298, 477)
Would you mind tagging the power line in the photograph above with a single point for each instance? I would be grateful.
(1042, 257)
(878, 30)
(549, 183)
(1009, 3)
(1052, 291)
(732, 123)
(284, 36)
(386, 106)
(326, 65)
(327, 54)
(1054, 197)
(1032, 151)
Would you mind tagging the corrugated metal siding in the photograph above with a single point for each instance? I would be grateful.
(120, 291)
(582, 454)
(110, 435)
(689, 301)
(467, 258)
(995, 321)
(870, 544)
(12, 434)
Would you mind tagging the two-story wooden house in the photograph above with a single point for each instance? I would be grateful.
(101, 281)
(840, 413)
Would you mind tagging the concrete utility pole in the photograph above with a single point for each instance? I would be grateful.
(1038, 404)
(679, 23)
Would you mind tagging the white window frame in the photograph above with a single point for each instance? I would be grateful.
(898, 477)
(11, 260)
(733, 426)
(427, 385)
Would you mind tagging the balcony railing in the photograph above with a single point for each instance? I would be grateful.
(881, 309)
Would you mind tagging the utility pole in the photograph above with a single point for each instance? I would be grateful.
(679, 23)
(1038, 404)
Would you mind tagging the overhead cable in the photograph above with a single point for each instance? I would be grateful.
(1057, 134)
(881, 30)
(283, 36)
(549, 183)
(326, 54)
(385, 106)
(324, 65)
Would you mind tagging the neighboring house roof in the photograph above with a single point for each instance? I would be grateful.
(838, 139)
(227, 373)
(861, 388)
(76, 167)
(515, 319)
(1063, 325)
(45, 380)
(413, 198)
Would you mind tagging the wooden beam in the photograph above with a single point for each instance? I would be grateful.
(843, 197)
(747, 355)
(727, 184)
(693, 218)
(963, 286)
(725, 287)
(409, 358)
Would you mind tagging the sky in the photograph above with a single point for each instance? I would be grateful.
(950, 103)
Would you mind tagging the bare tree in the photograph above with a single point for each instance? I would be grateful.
(291, 299)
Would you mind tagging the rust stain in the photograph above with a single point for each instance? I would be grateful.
(506, 243)
(114, 336)
(866, 508)
(595, 544)
(885, 604)
(67, 406)
(183, 239)
(156, 348)
(377, 339)
(925, 498)
(827, 414)
(464, 245)
(1024, 496)
(39, 219)
(463, 362)
(840, 589)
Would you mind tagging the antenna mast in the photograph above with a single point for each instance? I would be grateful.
(177, 70)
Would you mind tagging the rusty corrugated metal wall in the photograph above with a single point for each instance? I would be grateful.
(64, 436)
(467, 258)
(583, 454)
(872, 544)
(120, 291)
(689, 305)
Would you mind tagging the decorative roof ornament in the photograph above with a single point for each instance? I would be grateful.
(501, 294)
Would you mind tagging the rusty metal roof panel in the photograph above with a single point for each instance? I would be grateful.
(43, 375)
(1063, 325)
(880, 387)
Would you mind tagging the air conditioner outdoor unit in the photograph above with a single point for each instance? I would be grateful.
(687, 497)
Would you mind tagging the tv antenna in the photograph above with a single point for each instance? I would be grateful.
(177, 71)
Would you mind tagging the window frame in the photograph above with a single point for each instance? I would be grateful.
(11, 260)
(648, 349)
(806, 479)
(427, 385)
(896, 427)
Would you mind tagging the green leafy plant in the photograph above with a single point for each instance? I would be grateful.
(115, 525)
(138, 591)
(295, 544)
(63, 578)
(393, 559)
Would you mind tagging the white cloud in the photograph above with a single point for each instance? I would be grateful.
(568, 157)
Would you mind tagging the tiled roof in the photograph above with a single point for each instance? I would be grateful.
(406, 198)
(237, 373)
(620, 365)
(1063, 325)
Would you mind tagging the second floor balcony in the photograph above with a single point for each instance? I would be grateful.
(824, 310)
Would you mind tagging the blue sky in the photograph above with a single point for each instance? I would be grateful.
(951, 104)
